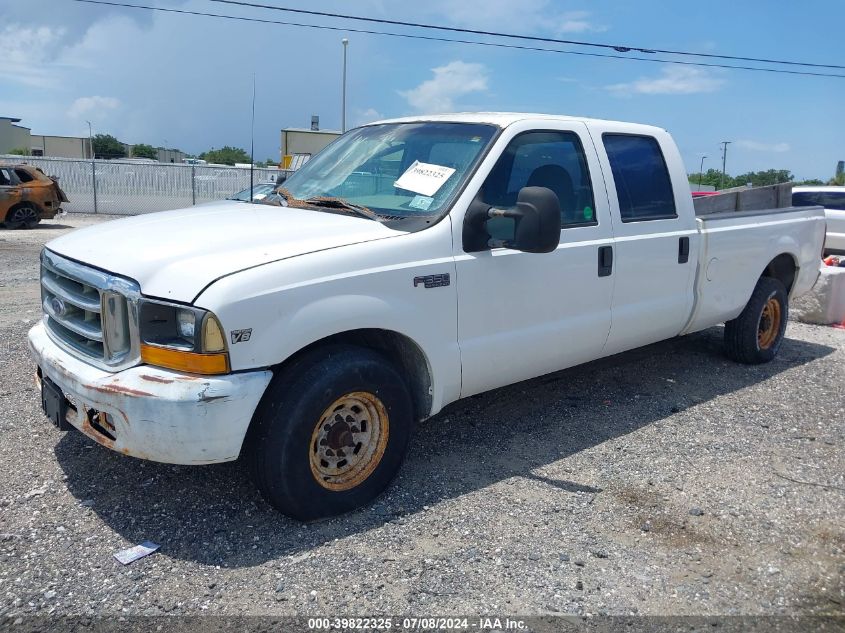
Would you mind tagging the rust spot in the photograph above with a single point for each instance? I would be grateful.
(119, 389)
(91, 432)
(165, 381)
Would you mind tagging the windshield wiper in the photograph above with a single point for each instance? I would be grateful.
(340, 203)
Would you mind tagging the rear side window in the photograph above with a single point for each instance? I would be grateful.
(826, 199)
(24, 175)
(643, 186)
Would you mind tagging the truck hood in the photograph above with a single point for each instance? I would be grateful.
(175, 254)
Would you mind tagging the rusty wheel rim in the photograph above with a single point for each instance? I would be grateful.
(349, 441)
(769, 326)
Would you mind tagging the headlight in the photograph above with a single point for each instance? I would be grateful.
(182, 338)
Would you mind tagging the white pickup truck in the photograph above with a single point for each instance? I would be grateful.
(411, 263)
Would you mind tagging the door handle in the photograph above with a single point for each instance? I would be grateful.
(683, 250)
(605, 260)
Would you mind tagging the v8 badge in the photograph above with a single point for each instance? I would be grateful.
(241, 336)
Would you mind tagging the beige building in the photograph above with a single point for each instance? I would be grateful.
(14, 138)
(61, 146)
(299, 144)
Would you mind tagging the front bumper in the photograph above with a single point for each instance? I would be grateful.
(153, 413)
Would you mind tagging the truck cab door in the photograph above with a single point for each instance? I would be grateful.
(656, 236)
(521, 315)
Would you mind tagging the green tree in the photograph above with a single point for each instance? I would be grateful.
(838, 179)
(763, 178)
(711, 177)
(226, 156)
(107, 146)
(810, 181)
(19, 151)
(142, 150)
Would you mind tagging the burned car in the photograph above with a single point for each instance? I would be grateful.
(28, 196)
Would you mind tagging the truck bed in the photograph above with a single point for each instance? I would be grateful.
(733, 241)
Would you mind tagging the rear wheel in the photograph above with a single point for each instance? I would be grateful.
(330, 433)
(22, 216)
(755, 336)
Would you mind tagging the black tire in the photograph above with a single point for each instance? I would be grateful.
(755, 336)
(22, 216)
(293, 432)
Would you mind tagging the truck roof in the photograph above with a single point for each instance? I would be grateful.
(504, 119)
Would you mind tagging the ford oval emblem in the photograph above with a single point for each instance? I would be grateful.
(59, 307)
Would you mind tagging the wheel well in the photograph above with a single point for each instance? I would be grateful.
(400, 350)
(783, 269)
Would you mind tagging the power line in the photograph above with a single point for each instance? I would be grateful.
(432, 38)
(535, 38)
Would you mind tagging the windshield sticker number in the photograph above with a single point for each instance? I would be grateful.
(421, 202)
(424, 178)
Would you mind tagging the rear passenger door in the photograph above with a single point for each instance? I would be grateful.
(655, 237)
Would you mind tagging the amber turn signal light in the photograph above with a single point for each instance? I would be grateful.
(190, 362)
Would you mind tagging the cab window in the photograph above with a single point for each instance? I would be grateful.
(643, 186)
(550, 159)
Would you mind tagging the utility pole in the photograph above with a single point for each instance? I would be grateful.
(93, 164)
(724, 145)
(700, 171)
(345, 43)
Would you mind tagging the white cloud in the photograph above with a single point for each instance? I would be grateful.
(578, 22)
(25, 50)
(526, 16)
(673, 80)
(367, 116)
(757, 146)
(451, 81)
(95, 105)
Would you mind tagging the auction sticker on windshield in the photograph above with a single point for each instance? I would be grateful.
(424, 178)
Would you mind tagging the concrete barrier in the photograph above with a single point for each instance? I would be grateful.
(825, 303)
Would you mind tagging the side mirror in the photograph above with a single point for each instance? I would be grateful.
(536, 223)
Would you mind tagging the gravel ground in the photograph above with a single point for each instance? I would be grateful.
(667, 480)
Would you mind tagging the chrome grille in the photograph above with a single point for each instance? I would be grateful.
(90, 313)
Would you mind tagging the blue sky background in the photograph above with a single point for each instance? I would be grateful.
(150, 77)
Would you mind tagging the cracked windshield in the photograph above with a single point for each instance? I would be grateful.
(398, 169)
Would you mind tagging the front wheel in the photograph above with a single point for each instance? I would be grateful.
(755, 336)
(330, 433)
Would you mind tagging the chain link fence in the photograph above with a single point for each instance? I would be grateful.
(132, 188)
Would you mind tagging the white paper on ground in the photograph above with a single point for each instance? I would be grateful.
(132, 554)
(424, 178)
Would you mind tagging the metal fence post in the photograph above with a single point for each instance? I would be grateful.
(193, 185)
(94, 181)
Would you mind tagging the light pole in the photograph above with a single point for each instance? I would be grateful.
(93, 164)
(345, 43)
(701, 171)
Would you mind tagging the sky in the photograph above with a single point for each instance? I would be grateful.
(186, 81)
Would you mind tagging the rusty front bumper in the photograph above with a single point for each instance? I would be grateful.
(153, 413)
